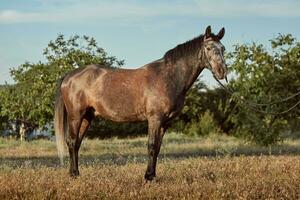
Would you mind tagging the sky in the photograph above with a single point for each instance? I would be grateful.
(137, 31)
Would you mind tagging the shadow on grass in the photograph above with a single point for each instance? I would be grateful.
(123, 159)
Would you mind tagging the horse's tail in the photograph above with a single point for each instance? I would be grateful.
(60, 122)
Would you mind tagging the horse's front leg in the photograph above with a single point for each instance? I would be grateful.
(155, 135)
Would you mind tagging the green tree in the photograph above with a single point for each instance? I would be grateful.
(263, 75)
(30, 100)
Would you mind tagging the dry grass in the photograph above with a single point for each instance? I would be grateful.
(189, 168)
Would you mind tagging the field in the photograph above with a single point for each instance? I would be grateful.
(189, 168)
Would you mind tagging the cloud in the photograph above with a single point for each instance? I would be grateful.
(254, 8)
(14, 16)
(92, 10)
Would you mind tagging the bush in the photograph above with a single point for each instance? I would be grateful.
(204, 126)
(264, 130)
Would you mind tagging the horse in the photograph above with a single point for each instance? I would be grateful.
(154, 93)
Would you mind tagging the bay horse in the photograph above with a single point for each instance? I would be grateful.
(154, 93)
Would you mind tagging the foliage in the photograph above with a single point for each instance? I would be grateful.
(262, 76)
(203, 104)
(206, 125)
(194, 102)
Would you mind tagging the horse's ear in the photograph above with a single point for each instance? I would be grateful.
(207, 32)
(221, 33)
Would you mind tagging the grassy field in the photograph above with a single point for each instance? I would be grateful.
(189, 168)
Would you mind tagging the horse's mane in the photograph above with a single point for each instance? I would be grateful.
(186, 49)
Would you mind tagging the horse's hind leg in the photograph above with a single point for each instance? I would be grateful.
(72, 140)
(77, 130)
(85, 124)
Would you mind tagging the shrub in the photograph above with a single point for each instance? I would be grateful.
(204, 126)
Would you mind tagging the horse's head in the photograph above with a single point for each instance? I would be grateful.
(213, 51)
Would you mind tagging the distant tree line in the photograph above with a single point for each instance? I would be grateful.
(261, 74)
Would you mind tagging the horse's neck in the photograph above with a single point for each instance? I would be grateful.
(184, 72)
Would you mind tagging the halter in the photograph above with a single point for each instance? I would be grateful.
(202, 54)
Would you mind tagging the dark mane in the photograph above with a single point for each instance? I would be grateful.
(186, 49)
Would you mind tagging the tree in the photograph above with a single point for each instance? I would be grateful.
(265, 76)
(30, 100)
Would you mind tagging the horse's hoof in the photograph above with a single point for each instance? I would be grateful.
(149, 177)
(74, 174)
(150, 182)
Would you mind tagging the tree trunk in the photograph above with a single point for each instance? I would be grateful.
(22, 131)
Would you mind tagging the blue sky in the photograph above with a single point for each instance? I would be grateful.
(137, 31)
